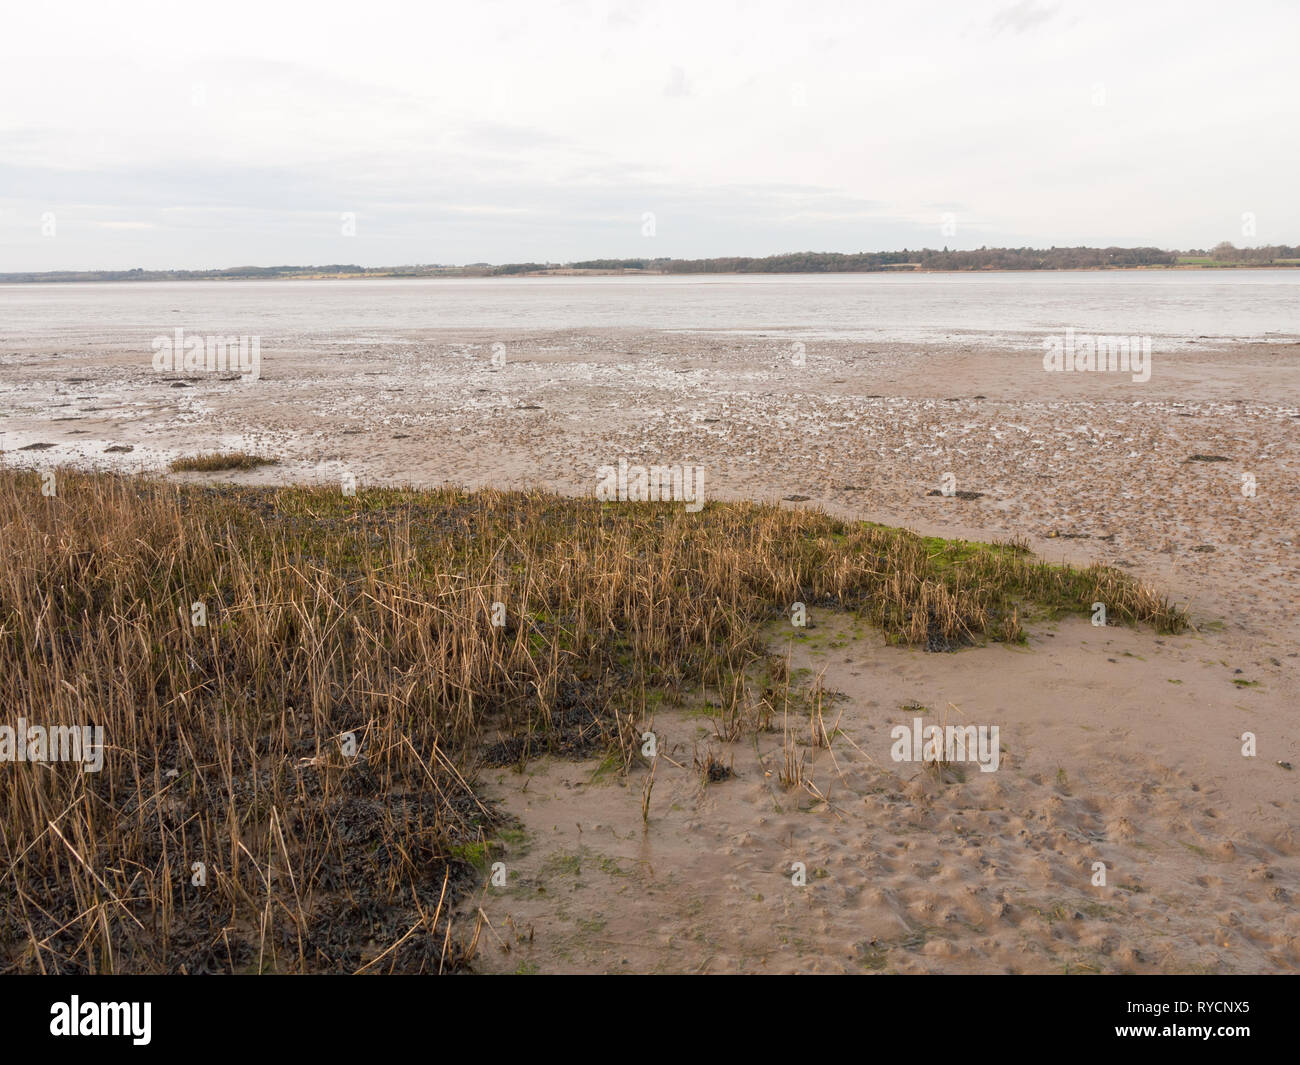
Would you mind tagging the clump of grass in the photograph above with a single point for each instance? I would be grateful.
(314, 744)
(712, 768)
(791, 773)
(217, 461)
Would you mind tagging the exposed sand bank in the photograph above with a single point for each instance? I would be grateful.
(1117, 747)
(1122, 747)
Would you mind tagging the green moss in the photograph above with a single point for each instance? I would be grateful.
(476, 854)
(561, 864)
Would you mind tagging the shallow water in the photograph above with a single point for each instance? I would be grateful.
(1179, 305)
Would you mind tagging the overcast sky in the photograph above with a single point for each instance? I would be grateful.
(166, 134)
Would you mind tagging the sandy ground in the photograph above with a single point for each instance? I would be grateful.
(1116, 747)
(1120, 747)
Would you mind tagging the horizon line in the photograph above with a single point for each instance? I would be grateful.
(867, 261)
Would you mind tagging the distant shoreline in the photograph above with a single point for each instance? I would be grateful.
(920, 260)
(99, 277)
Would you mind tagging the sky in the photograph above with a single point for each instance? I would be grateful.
(195, 136)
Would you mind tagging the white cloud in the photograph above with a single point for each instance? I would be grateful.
(175, 135)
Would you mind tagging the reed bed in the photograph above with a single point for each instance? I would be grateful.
(311, 744)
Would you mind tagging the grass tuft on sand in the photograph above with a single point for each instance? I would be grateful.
(313, 744)
(219, 461)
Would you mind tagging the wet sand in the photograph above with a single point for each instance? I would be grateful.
(1124, 747)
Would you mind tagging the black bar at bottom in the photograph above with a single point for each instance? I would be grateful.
(234, 1016)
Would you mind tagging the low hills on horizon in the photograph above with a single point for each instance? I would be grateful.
(921, 260)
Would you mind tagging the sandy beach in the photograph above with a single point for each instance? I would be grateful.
(1119, 746)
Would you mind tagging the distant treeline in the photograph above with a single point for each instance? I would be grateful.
(1280, 254)
(807, 262)
(931, 259)
(811, 262)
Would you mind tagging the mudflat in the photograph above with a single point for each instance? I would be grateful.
(1120, 746)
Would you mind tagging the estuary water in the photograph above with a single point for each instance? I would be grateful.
(1180, 305)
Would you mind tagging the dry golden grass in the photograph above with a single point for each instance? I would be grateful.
(372, 616)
